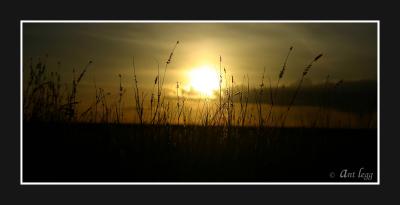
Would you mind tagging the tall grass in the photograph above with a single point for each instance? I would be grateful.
(160, 101)
(305, 72)
(176, 135)
(46, 99)
(274, 95)
(139, 99)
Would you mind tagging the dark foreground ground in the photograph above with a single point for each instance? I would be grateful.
(133, 153)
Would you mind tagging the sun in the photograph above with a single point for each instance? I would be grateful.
(204, 80)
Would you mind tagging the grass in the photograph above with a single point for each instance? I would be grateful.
(46, 100)
(179, 141)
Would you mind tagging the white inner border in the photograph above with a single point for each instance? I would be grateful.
(199, 183)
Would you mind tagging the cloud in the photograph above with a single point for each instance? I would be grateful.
(349, 49)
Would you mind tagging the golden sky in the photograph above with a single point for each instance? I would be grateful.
(349, 49)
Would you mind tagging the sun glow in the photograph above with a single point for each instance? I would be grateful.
(204, 80)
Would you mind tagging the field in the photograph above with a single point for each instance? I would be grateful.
(243, 134)
(133, 153)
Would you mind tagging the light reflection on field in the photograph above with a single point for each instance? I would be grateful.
(195, 112)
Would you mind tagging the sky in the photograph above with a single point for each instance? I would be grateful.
(349, 51)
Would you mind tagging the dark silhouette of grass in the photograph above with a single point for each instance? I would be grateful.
(74, 146)
(97, 152)
(305, 72)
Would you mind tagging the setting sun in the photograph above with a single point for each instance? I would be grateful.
(197, 102)
(204, 80)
